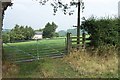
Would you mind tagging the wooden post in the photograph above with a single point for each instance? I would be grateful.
(0, 40)
(3, 6)
(68, 43)
(78, 23)
(83, 39)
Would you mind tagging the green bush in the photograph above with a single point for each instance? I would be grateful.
(5, 37)
(103, 31)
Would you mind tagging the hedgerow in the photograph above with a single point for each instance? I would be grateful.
(103, 31)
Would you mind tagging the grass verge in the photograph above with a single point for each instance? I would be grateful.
(94, 66)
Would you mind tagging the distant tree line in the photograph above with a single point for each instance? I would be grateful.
(23, 33)
(62, 33)
(18, 33)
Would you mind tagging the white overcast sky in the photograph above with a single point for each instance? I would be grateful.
(30, 12)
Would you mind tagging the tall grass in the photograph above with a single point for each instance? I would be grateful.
(9, 70)
(103, 62)
(90, 63)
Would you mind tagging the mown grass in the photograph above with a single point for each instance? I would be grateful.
(39, 48)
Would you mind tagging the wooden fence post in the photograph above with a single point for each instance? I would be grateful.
(68, 43)
(0, 40)
(83, 39)
(2, 9)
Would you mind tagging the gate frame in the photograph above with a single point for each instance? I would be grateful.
(79, 46)
(3, 6)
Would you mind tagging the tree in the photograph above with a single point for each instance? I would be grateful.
(49, 30)
(66, 9)
(21, 33)
(5, 37)
(12, 36)
(16, 33)
(56, 34)
(29, 32)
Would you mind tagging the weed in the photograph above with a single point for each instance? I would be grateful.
(95, 65)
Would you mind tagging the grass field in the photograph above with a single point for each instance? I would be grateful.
(31, 49)
(77, 64)
(34, 49)
(45, 68)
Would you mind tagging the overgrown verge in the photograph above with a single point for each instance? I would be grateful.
(9, 70)
(99, 63)
(44, 68)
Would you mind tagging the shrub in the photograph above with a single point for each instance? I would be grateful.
(103, 31)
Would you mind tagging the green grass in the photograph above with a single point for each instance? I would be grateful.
(70, 66)
(51, 68)
(47, 67)
(44, 68)
(30, 49)
(55, 68)
(42, 47)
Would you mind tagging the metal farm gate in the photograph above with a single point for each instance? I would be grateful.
(35, 50)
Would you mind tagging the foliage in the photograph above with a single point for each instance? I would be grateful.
(118, 24)
(65, 7)
(39, 30)
(56, 34)
(18, 33)
(5, 37)
(103, 31)
(72, 31)
(49, 30)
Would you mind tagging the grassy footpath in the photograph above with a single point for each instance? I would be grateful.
(46, 68)
(68, 67)
(54, 68)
